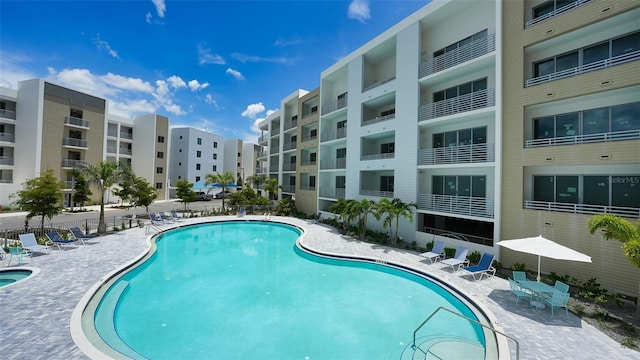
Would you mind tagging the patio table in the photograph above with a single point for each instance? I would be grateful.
(539, 290)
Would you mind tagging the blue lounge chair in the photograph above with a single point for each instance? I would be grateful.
(458, 260)
(156, 219)
(29, 242)
(175, 216)
(436, 253)
(483, 268)
(56, 239)
(518, 291)
(79, 235)
(558, 300)
(165, 217)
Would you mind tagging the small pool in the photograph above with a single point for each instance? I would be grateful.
(12, 276)
(244, 290)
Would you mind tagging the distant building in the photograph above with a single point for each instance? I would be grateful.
(194, 154)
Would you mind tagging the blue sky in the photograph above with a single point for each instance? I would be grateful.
(220, 66)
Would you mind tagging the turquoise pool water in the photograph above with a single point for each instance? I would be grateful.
(11, 276)
(243, 290)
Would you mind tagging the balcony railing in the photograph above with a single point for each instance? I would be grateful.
(289, 145)
(308, 187)
(126, 135)
(75, 142)
(313, 110)
(309, 138)
(274, 168)
(7, 137)
(378, 83)
(71, 163)
(289, 167)
(262, 154)
(461, 205)
(6, 160)
(112, 150)
(377, 156)
(125, 151)
(377, 193)
(555, 13)
(334, 105)
(460, 55)
(333, 193)
(584, 139)
(340, 163)
(290, 124)
(459, 104)
(378, 119)
(628, 212)
(333, 134)
(9, 114)
(273, 150)
(289, 188)
(263, 138)
(7, 177)
(261, 170)
(462, 154)
(70, 120)
(459, 236)
(308, 163)
(597, 65)
(112, 133)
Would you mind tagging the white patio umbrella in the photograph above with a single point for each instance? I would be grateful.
(544, 247)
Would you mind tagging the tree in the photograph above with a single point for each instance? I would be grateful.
(126, 182)
(81, 191)
(42, 196)
(271, 186)
(223, 180)
(247, 196)
(257, 180)
(402, 209)
(285, 207)
(394, 209)
(144, 194)
(339, 208)
(366, 207)
(101, 175)
(620, 229)
(184, 192)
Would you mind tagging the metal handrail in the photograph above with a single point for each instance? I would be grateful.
(413, 345)
(555, 13)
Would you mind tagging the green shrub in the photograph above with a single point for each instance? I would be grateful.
(519, 267)
(474, 257)
(449, 252)
(591, 289)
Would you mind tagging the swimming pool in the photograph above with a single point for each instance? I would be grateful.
(15, 275)
(244, 290)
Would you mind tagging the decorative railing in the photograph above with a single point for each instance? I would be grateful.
(340, 163)
(462, 154)
(75, 142)
(458, 56)
(8, 114)
(126, 135)
(364, 157)
(584, 139)
(290, 124)
(378, 119)
(6, 160)
(335, 193)
(378, 83)
(7, 137)
(629, 212)
(289, 145)
(459, 104)
(597, 65)
(334, 105)
(333, 134)
(555, 13)
(461, 205)
(377, 193)
(459, 236)
(70, 120)
(289, 167)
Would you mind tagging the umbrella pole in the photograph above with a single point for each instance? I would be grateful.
(538, 278)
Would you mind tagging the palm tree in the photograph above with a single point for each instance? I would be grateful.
(366, 207)
(101, 175)
(339, 208)
(271, 185)
(223, 179)
(257, 180)
(615, 227)
(402, 209)
(384, 207)
(353, 211)
(394, 210)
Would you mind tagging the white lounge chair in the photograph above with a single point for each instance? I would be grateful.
(30, 243)
(458, 260)
(436, 253)
(483, 268)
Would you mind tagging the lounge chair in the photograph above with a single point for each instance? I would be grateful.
(519, 276)
(558, 300)
(30, 243)
(56, 239)
(156, 219)
(165, 217)
(483, 268)
(241, 211)
(4, 257)
(458, 260)
(175, 216)
(19, 253)
(436, 253)
(518, 291)
(561, 287)
(79, 235)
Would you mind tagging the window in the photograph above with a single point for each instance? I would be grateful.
(341, 124)
(460, 137)
(179, 164)
(600, 190)
(292, 181)
(464, 42)
(198, 153)
(341, 182)
(215, 144)
(388, 112)
(199, 141)
(463, 89)
(341, 153)
(197, 166)
(160, 155)
(214, 168)
(313, 133)
(239, 154)
(467, 186)
(159, 170)
(161, 139)
(75, 113)
(180, 150)
(386, 183)
(388, 148)
(180, 137)
(215, 156)
(312, 181)
(312, 157)
(197, 178)
(159, 185)
(239, 164)
(75, 134)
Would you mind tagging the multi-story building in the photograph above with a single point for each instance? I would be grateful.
(46, 126)
(571, 129)
(233, 159)
(250, 162)
(194, 154)
(306, 165)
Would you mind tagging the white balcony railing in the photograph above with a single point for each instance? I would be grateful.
(308, 163)
(597, 65)
(462, 154)
(555, 13)
(6, 160)
(8, 114)
(378, 119)
(71, 163)
(309, 138)
(70, 120)
(290, 124)
(628, 212)
(459, 104)
(289, 167)
(377, 156)
(460, 55)
(112, 150)
(340, 163)
(7, 137)
(289, 145)
(378, 83)
(288, 188)
(274, 168)
(333, 193)
(376, 193)
(263, 138)
(112, 132)
(126, 135)
(584, 139)
(333, 134)
(334, 105)
(460, 205)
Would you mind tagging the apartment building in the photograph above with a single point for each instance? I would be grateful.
(46, 126)
(571, 129)
(250, 163)
(233, 159)
(305, 159)
(194, 154)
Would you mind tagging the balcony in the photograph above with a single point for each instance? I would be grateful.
(289, 167)
(334, 105)
(313, 110)
(8, 114)
(289, 188)
(7, 137)
(274, 168)
(273, 150)
(333, 134)
(70, 120)
(289, 146)
(458, 56)
(462, 154)
(262, 138)
(308, 163)
(125, 151)
(262, 154)
(290, 124)
(378, 119)
(310, 137)
(376, 193)
(555, 13)
(378, 156)
(308, 187)
(112, 133)
(378, 83)
(597, 65)
(332, 193)
(261, 170)
(627, 212)
(6, 160)
(459, 104)
(460, 205)
(340, 163)
(126, 135)
(584, 139)
(75, 142)
(112, 150)
(71, 163)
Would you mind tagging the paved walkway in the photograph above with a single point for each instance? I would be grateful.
(35, 314)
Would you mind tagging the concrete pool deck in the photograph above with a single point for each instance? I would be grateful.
(35, 314)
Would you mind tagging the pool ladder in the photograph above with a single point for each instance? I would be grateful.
(434, 342)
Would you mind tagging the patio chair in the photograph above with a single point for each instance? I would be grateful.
(458, 260)
(518, 291)
(80, 236)
(436, 253)
(561, 287)
(56, 239)
(4, 257)
(175, 216)
(19, 253)
(165, 217)
(156, 219)
(483, 268)
(519, 276)
(241, 211)
(558, 300)
(30, 243)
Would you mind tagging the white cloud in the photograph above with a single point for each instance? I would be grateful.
(283, 42)
(206, 57)
(244, 58)
(359, 10)
(253, 110)
(194, 85)
(161, 7)
(176, 82)
(12, 68)
(210, 100)
(103, 45)
(148, 17)
(235, 73)
(127, 83)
